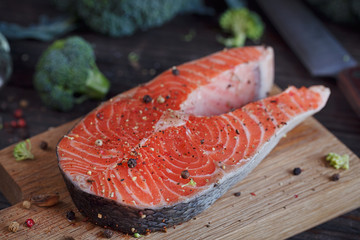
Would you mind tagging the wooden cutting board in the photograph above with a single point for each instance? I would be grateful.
(274, 204)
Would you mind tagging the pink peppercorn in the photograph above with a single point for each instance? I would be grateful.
(21, 123)
(29, 222)
(18, 113)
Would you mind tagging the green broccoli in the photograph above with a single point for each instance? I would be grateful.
(66, 74)
(338, 161)
(137, 235)
(122, 18)
(22, 150)
(242, 24)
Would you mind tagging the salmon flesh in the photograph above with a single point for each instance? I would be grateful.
(161, 153)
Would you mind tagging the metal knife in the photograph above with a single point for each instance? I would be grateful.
(317, 49)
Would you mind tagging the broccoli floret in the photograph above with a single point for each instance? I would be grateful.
(122, 18)
(22, 150)
(338, 161)
(66, 74)
(241, 23)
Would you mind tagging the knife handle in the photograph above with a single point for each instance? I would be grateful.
(349, 84)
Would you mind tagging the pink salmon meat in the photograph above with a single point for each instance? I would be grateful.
(161, 153)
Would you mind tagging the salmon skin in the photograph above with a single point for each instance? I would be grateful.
(161, 153)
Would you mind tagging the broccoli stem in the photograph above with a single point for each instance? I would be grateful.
(81, 99)
(236, 41)
(97, 85)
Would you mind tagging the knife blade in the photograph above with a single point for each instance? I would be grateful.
(315, 46)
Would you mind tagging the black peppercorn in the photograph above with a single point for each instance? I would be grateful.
(175, 71)
(185, 174)
(297, 171)
(44, 145)
(70, 215)
(131, 163)
(237, 194)
(335, 177)
(147, 99)
(108, 233)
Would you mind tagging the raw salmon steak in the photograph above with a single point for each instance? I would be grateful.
(161, 153)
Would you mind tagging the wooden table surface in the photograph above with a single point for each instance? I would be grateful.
(159, 49)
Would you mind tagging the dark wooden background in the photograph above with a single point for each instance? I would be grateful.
(159, 49)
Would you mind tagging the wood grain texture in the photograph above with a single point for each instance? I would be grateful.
(274, 204)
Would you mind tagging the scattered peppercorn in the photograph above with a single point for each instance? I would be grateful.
(237, 194)
(335, 177)
(23, 103)
(21, 123)
(131, 163)
(147, 99)
(98, 142)
(14, 226)
(160, 99)
(100, 115)
(26, 204)
(44, 145)
(108, 233)
(18, 113)
(175, 71)
(70, 215)
(185, 174)
(297, 171)
(29, 222)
